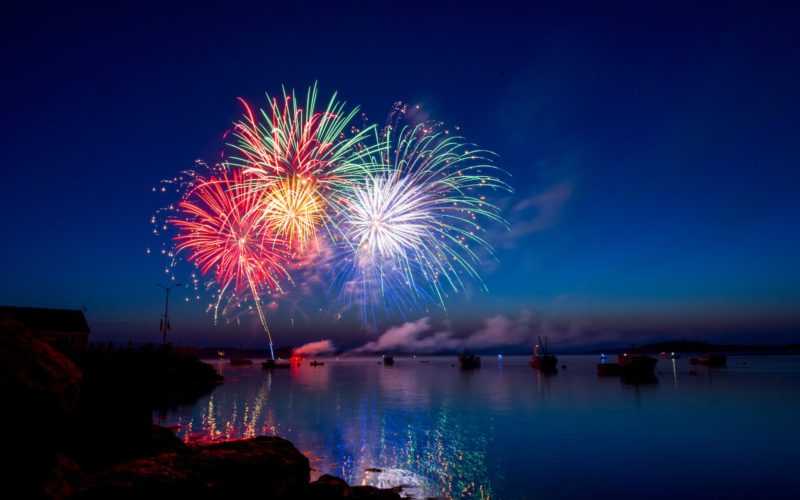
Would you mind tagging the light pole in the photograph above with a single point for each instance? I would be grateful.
(165, 317)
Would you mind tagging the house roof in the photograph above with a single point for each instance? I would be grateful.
(40, 319)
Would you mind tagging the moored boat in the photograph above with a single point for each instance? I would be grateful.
(316, 363)
(272, 364)
(388, 360)
(637, 368)
(541, 360)
(710, 360)
(469, 361)
(639, 362)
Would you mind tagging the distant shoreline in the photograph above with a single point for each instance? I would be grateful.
(678, 346)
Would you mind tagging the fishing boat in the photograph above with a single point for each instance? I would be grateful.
(637, 368)
(710, 360)
(388, 361)
(272, 364)
(541, 359)
(469, 361)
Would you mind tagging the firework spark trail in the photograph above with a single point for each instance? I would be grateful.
(409, 228)
(222, 232)
(300, 157)
(402, 208)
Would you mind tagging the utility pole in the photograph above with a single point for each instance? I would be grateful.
(164, 326)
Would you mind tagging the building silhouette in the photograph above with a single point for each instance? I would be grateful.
(64, 329)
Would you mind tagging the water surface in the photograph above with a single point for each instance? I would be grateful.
(507, 431)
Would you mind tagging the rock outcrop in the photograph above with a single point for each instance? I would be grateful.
(262, 467)
(85, 429)
(40, 391)
(120, 391)
(329, 487)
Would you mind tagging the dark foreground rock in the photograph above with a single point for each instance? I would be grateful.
(120, 391)
(329, 487)
(262, 467)
(40, 391)
(84, 428)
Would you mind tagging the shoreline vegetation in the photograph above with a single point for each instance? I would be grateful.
(81, 427)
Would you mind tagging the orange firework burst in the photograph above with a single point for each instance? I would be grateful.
(293, 210)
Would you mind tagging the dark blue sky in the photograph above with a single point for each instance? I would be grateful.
(653, 147)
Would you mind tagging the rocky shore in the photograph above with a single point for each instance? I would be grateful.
(81, 427)
(262, 467)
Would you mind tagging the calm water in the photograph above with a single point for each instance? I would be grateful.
(506, 431)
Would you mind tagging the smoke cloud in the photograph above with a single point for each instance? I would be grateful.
(315, 348)
(496, 332)
(413, 336)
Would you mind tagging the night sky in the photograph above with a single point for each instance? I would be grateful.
(652, 145)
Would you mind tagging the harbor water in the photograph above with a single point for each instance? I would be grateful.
(508, 431)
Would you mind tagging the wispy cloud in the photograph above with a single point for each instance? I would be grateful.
(315, 348)
(536, 212)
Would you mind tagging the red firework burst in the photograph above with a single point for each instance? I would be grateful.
(221, 229)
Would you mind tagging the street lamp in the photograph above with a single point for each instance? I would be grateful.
(164, 326)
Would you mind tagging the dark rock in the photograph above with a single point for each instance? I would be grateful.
(40, 389)
(327, 487)
(64, 423)
(64, 478)
(162, 440)
(121, 390)
(357, 492)
(262, 467)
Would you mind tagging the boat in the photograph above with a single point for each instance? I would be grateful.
(272, 364)
(240, 361)
(710, 360)
(388, 361)
(469, 361)
(637, 368)
(316, 363)
(669, 355)
(541, 360)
